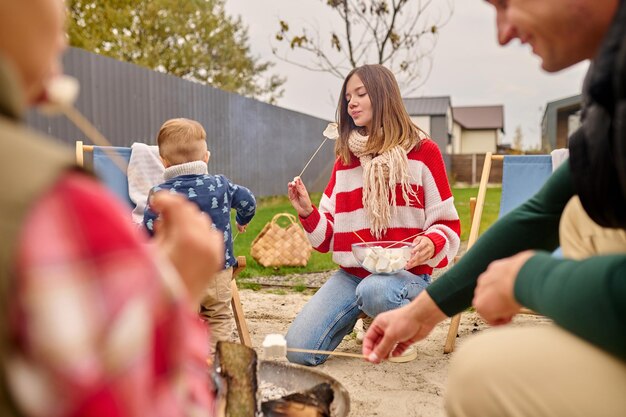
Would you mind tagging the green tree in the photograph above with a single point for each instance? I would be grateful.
(400, 34)
(192, 39)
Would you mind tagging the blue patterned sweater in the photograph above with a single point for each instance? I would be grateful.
(214, 194)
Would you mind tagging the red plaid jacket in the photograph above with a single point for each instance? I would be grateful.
(98, 331)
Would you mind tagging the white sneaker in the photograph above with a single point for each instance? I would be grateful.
(407, 356)
(366, 322)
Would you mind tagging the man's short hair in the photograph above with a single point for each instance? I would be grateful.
(182, 140)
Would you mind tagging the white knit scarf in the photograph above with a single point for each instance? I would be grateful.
(380, 176)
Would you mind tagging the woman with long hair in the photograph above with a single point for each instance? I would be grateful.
(388, 183)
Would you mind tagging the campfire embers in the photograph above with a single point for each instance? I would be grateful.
(312, 403)
(312, 393)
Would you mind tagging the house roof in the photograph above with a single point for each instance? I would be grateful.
(480, 117)
(567, 102)
(427, 106)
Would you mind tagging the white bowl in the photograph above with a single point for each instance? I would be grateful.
(382, 257)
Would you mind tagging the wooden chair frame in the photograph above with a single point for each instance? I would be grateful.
(240, 319)
(476, 210)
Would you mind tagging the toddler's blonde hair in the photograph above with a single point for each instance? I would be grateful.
(182, 140)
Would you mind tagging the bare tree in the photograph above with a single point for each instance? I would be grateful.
(518, 139)
(400, 34)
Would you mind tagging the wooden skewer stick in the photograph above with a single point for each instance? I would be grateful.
(406, 238)
(395, 243)
(318, 149)
(328, 352)
(357, 235)
(93, 134)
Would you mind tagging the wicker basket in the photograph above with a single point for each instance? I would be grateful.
(281, 246)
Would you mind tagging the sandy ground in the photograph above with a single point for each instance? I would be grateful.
(385, 390)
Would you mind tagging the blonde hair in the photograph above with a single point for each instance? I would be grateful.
(388, 113)
(182, 140)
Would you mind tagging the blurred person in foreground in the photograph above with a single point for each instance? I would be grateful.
(576, 367)
(94, 322)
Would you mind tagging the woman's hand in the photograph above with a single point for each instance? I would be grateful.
(299, 198)
(423, 249)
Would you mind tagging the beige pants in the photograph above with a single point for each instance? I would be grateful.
(215, 307)
(542, 371)
(581, 238)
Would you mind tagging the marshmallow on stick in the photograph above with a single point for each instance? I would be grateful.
(274, 346)
(59, 97)
(61, 92)
(331, 132)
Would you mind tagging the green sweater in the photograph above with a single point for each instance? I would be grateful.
(586, 297)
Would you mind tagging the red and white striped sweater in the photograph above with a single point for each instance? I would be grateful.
(341, 212)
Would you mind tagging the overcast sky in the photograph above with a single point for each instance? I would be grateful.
(468, 65)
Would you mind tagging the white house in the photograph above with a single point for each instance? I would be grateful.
(477, 129)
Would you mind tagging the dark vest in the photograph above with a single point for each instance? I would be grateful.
(598, 147)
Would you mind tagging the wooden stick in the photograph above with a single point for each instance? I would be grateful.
(393, 244)
(310, 159)
(93, 134)
(357, 235)
(406, 238)
(328, 352)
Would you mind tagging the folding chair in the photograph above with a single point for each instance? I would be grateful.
(522, 177)
(109, 164)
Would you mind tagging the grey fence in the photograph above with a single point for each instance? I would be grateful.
(254, 144)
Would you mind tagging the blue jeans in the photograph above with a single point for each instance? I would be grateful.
(334, 309)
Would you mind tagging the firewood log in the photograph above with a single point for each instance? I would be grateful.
(237, 365)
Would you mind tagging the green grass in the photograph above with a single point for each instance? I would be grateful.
(490, 210)
(268, 207)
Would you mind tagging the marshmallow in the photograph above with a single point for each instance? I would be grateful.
(274, 346)
(61, 91)
(382, 260)
(332, 131)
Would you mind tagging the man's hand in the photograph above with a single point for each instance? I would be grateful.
(494, 297)
(395, 330)
(423, 250)
(299, 197)
(184, 234)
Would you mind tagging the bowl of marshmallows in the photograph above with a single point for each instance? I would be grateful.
(382, 257)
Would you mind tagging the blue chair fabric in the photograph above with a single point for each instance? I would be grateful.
(110, 173)
(522, 177)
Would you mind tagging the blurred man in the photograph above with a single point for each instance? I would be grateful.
(578, 366)
(91, 324)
